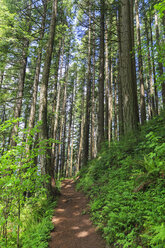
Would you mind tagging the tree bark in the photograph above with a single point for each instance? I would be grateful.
(93, 137)
(37, 72)
(133, 62)
(60, 55)
(127, 75)
(140, 65)
(45, 161)
(115, 108)
(106, 81)
(88, 97)
(160, 65)
(101, 77)
(62, 164)
(82, 118)
(69, 132)
(120, 101)
(110, 100)
(22, 74)
(62, 121)
(154, 70)
(71, 156)
(56, 107)
(151, 103)
(108, 85)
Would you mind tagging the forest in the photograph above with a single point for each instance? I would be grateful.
(82, 95)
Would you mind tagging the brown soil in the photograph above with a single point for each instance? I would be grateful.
(73, 228)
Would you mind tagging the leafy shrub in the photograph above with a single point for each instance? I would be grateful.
(23, 197)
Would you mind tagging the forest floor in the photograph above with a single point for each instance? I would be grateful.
(73, 228)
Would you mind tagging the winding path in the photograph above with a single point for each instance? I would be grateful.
(73, 228)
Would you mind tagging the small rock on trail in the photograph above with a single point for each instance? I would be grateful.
(73, 228)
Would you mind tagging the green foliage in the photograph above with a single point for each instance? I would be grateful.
(23, 197)
(160, 7)
(38, 227)
(12, 30)
(126, 186)
(7, 23)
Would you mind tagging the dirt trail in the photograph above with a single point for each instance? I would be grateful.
(73, 229)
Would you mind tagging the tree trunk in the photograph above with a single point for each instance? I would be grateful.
(101, 78)
(93, 138)
(151, 102)
(59, 56)
(140, 64)
(62, 164)
(62, 122)
(37, 72)
(4, 136)
(20, 92)
(133, 63)
(110, 100)
(69, 132)
(56, 107)
(21, 81)
(71, 156)
(153, 69)
(163, 84)
(82, 118)
(2, 71)
(127, 75)
(160, 65)
(108, 84)
(107, 93)
(45, 161)
(88, 98)
(120, 101)
(115, 108)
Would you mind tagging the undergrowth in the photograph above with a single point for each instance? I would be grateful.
(35, 226)
(25, 208)
(38, 225)
(38, 221)
(126, 185)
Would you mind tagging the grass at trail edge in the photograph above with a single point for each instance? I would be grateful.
(38, 227)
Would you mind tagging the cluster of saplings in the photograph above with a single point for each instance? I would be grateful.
(25, 207)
